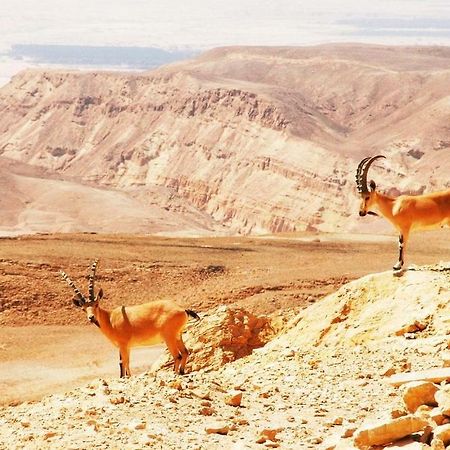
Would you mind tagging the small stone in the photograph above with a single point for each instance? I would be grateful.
(349, 432)
(240, 421)
(396, 413)
(436, 416)
(117, 400)
(409, 329)
(270, 433)
(201, 393)
(234, 399)
(207, 411)
(289, 353)
(176, 384)
(49, 435)
(388, 371)
(217, 428)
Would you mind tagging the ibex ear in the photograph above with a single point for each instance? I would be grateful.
(372, 185)
(99, 295)
(77, 302)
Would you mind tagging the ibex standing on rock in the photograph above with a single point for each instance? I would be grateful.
(138, 325)
(407, 212)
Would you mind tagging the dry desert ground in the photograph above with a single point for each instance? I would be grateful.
(47, 346)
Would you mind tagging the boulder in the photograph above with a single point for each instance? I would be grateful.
(385, 432)
(224, 335)
(417, 393)
(432, 375)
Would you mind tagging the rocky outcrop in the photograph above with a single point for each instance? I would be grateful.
(222, 336)
(362, 311)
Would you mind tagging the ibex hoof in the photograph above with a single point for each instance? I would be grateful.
(398, 271)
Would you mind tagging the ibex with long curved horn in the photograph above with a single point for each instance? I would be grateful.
(138, 325)
(407, 212)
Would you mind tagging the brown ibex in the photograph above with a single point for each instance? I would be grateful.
(406, 212)
(137, 325)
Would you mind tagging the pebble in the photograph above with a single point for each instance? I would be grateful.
(234, 399)
(217, 428)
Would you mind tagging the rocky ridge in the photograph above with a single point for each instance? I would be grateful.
(239, 140)
(310, 387)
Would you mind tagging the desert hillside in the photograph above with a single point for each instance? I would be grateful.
(239, 140)
(311, 387)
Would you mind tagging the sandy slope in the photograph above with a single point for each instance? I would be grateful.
(34, 199)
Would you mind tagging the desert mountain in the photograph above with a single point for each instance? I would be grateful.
(239, 140)
(308, 388)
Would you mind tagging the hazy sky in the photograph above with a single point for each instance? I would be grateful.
(210, 23)
(202, 24)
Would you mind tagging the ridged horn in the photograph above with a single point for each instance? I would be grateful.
(362, 171)
(358, 175)
(72, 285)
(91, 280)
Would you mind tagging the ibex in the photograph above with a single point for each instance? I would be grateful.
(138, 325)
(407, 212)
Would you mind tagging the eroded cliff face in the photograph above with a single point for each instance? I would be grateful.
(251, 140)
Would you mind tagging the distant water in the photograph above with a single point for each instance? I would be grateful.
(21, 56)
(138, 58)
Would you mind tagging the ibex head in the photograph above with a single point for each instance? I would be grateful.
(89, 306)
(367, 195)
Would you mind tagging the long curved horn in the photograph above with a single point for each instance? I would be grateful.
(72, 285)
(91, 280)
(363, 170)
(359, 184)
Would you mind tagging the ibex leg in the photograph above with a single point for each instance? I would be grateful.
(124, 363)
(401, 250)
